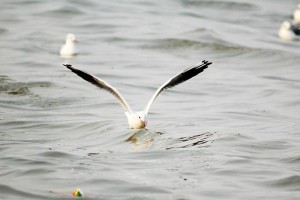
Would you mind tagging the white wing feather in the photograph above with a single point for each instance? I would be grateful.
(101, 84)
(179, 78)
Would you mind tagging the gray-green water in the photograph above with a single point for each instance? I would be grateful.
(230, 133)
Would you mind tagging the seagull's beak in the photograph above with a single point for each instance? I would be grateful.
(144, 123)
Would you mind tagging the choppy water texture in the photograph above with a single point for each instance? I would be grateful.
(230, 133)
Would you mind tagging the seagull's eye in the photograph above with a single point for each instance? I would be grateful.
(139, 117)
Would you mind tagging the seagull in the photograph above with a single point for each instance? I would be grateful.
(69, 48)
(288, 31)
(138, 120)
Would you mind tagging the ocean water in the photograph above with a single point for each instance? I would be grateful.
(232, 132)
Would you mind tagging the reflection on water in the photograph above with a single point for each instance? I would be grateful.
(142, 138)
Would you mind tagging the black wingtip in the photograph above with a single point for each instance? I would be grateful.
(69, 66)
(205, 62)
(204, 65)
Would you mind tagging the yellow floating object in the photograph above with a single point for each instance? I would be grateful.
(77, 193)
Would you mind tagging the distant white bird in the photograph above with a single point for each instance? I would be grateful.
(69, 48)
(296, 15)
(286, 31)
(138, 120)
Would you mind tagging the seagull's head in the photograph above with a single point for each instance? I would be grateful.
(286, 25)
(137, 120)
(71, 38)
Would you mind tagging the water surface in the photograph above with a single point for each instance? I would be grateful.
(230, 133)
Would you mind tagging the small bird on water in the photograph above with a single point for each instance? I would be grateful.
(288, 31)
(69, 48)
(138, 120)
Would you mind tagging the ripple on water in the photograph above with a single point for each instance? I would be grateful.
(11, 87)
(3, 30)
(56, 154)
(220, 4)
(291, 183)
(63, 11)
(189, 142)
(10, 191)
(292, 160)
(211, 43)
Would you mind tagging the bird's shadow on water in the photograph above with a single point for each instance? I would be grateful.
(144, 139)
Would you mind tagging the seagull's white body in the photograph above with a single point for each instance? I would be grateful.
(69, 48)
(285, 32)
(296, 15)
(138, 120)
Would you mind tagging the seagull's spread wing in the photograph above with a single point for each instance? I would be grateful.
(179, 78)
(101, 84)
